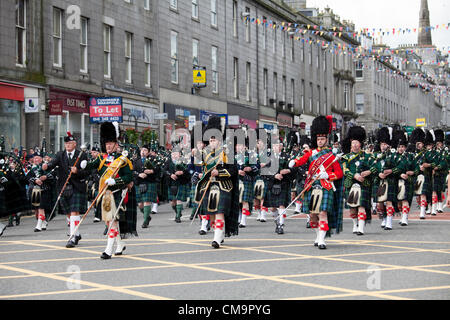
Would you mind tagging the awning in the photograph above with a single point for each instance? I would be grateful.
(11, 91)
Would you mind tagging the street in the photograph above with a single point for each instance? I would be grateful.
(172, 261)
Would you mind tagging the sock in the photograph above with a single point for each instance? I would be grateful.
(361, 221)
(111, 239)
(390, 213)
(423, 207)
(405, 211)
(434, 205)
(219, 227)
(179, 209)
(323, 228)
(119, 241)
(205, 220)
(315, 227)
(155, 207)
(146, 214)
(245, 214)
(281, 215)
(264, 212)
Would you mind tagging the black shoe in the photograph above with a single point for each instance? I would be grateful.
(154, 212)
(202, 232)
(37, 230)
(17, 219)
(96, 220)
(322, 246)
(177, 220)
(120, 253)
(308, 225)
(440, 211)
(215, 245)
(422, 218)
(70, 244)
(386, 228)
(105, 256)
(241, 226)
(145, 225)
(296, 212)
(10, 224)
(134, 233)
(105, 231)
(359, 233)
(403, 224)
(316, 244)
(77, 239)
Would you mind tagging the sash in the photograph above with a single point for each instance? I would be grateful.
(316, 165)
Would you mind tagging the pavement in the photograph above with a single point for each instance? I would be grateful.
(171, 261)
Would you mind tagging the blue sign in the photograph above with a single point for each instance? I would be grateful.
(204, 116)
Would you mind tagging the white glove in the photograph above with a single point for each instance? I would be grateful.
(83, 164)
(291, 164)
(3, 180)
(322, 175)
(110, 182)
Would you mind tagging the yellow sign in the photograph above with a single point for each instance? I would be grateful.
(421, 122)
(199, 76)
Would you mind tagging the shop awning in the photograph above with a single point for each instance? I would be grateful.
(11, 91)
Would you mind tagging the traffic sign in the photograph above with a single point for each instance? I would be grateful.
(160, 116)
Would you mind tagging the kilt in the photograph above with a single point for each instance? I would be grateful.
(365, 197)
(46, 200)
(392, 192)
(128, 219)
(249, 194)
(15, 198)
(266, 186)
(409, 186)
(327, 199)
(224, 206)
(182, 194)
(192, 196)
(275, 201)
(3, 212)
(439, 184)
(76, 203)
(151, 195)
(299, 186)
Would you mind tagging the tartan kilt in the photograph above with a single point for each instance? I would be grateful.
(327, 199)
(76, 203)
(192, 195)
(46, 200)
(127, 218)
(224, 205)
(439, 183)
(150, 195)
(183, 193)
(366, 194)
(409, 184)
(299, 186)
(275, 201)
(249, 194)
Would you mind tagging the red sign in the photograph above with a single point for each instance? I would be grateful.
(55, 107)
(72, 101)
(11, 92)
(284, 120)
(105, 109)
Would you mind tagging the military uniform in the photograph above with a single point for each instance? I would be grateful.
(247, 182)
(179, 189)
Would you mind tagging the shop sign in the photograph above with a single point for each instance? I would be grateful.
(55, 107)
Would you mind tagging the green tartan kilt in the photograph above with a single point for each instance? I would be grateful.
(76, 203)
(249, 186)
(182, 195)
(427, 187)
(327, 199)
(151, 195)
(366, 194)
(439, 183)
(275, 201)
(128, 218)
(224, 205)
(299, 186)
(409, 190)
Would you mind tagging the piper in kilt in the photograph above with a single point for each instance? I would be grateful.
(261, 182)
(92, 183)
(248, 169)
(145, 173)
(440, 169)
(217, 191)
(177, 174)
(323, 171)
(278, 195)
(74, 199)
(117, 198)
(357, 178)
(424, 171)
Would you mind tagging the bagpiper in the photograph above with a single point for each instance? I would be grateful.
(424, 171)
(261, 181)
(93, 182)
(321, 200)
(440, 169)
(358, 174)
(117, 195)
(217, 191)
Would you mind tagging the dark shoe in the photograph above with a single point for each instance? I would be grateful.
(145, 225)
(215, 245)
(105, 256)
(70, 244)
(202, 232)
(359, 233)
(154, 212)
(422, 218)
(37, 230)
(17, 219)
(386, 228)
(308, 225)
(322, 246)
(241, 226)
(77, 239)
(404, 224)
(440, 211)
(177, 220)
(120, 253)
(279, 229)
(134, 233)
(316, 244)
(10, 224)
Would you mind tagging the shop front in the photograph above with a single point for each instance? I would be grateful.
(243, 116)
(11, 112)
(285, 124)
(69, 111)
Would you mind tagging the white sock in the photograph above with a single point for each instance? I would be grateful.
(39, 223)
(321, 237)
(44, 224)
(433, 208)
(422, 211)
(219, 234)
(204, 224)
(440, 206)
(263, 215)
(317, 235)
(155, 207)
(355, 225)
(120, 244)
(298, 207)
(389, 222)
(243, 219)
(383, 222)
(281, 214)
(361, 224)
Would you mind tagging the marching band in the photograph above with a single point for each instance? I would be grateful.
(317, 176)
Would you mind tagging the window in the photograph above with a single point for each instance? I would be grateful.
(274, 39)
(174, 4)
(292, 49)
(302, 51)
(303, 96)
(107, 51)
(325, 103)
(359, 69)
(147, 61)
(324, 56)
(128, 49)
(195, 60)
(283, 44)
(264, 33)
(248, 84)
(21, 33)
(266, 86)
(215, 76)
(84, 46)
(318, 100)
(235, 19)
(147, 4)
(275, 88)
(311, 97)
(174, 56)
(57, 37)
(214, 13)
(195, 9)
(292, 92)
(236, 78)
(247, 25)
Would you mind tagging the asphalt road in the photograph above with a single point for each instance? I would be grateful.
(172, 261)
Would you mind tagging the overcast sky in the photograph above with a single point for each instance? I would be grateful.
(392, 14)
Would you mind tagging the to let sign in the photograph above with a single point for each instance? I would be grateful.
(105, 109)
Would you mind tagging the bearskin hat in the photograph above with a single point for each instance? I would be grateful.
(399, 138)
(321, 126)
(346, 145)
(109, 132)
(418, 135)
(429, 137)
(385, 135)
(357, 133)
(439, 135)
